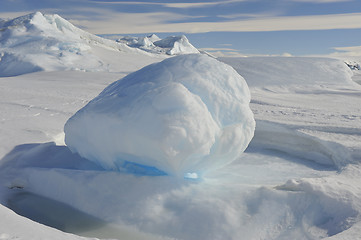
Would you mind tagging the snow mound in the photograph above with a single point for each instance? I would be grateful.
(173, 45)
(42, 42)
(185, 116)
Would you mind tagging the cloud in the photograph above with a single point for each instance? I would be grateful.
(219, 49)
(321, 1)
(347, 51)
(131, 23)
(227, 52)
(172, 5)
(134, 23)
(251, 15)
(106, 21)
(10, 15)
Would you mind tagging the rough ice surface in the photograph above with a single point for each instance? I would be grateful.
(185, 116)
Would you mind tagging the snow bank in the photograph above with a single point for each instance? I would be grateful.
(225, 205)
(277, 137)
(16, 227)
(187, 114)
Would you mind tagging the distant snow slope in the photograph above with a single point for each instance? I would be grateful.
(41, 42)
(292, 72)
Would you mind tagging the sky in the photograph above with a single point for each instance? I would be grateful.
(223, 28)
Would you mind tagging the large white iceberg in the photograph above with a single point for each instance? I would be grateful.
(184, 116)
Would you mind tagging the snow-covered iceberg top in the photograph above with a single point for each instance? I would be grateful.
(184, 116)
(172, 45)
(176, 45)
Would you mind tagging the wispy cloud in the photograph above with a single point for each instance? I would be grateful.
(268, 14)
(133, 23)
(347, 51)
(219, 49)
(172, 5)
(321, 1)
(9, 15)
(229, 52)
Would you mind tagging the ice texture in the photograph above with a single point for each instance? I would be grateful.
(185, 116)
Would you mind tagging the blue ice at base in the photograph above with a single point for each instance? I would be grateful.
(143, 170)
(184, 116)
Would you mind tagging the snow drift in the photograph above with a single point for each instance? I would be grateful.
(188, 114)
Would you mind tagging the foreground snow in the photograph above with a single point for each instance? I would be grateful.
(14, 226)
(298, 179)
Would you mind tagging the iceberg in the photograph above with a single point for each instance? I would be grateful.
(184, 116)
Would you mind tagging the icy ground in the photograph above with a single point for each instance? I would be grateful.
(300, 177)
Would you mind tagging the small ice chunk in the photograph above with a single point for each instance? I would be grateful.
(186, 114)
(191, 176)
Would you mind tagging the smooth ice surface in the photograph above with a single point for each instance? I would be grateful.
(187, 114)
